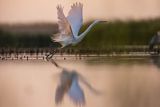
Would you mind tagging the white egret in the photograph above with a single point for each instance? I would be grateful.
(69, 84)
(69, 27)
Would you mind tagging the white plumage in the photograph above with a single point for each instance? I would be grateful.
(75, 18)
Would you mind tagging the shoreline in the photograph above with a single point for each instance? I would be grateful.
(26, 56)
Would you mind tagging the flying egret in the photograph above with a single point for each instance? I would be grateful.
(69, 84)
(69, 27)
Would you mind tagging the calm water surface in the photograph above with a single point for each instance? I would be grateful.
(122, 81)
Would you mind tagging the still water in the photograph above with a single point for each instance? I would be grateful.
(122, 81)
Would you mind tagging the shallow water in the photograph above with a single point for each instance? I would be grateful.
(122, 81)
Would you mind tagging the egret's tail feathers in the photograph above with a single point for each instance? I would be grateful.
(57, 38)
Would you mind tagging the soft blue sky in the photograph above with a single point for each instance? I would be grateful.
(23, 11)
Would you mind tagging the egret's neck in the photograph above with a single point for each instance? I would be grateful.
(87, 30)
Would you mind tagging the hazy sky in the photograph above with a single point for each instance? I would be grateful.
(20, 11)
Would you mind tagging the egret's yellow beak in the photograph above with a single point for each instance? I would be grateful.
(103, 21)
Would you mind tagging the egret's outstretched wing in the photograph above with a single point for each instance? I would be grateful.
(63, 25)
(76, 93)
(75, 18)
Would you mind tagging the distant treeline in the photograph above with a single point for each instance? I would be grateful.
(102, 36)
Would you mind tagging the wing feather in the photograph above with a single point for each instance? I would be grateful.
(75, 18)
(60, 91)
(63, 26)
(76, 93)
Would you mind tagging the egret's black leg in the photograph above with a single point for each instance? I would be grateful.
(50, 55)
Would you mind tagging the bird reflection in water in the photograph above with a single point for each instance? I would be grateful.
(69, 85)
